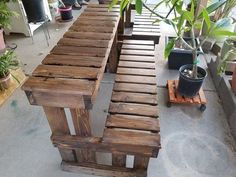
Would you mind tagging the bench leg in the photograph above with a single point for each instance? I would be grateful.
(118, 159)
(113, 58)
(81, 121)
(58, 123)
(141, 162)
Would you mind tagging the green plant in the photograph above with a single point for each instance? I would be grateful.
(5, 14)
(183, 16)
(8, 61)
(225, 10)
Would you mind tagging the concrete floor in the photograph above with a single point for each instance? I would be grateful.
(194, 144)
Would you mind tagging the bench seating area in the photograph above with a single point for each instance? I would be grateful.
(133, 113)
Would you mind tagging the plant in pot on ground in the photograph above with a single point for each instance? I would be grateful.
(65, 11)
(191, 76)
(8, 62)
(5, 15)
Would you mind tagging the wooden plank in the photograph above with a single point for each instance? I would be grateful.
(143, 65)
(137, 58)
(96, 144)
(119, 159)
(134, 98)
(138, 42)
(72, 72)
(141, 33)
(81, 122)
(64, 86)
(133, 122)
(88, 35)
(102, 170)
(146, 23)
(99, 18)
(133, 109)
(151, 30)
(136, 71)
(113, 56)
(98, 29)
(146, 26)
(122, 136)
(136, 79)
(88, 22)
(57, 121)
(83, 42)
(138, 47)
(82, 51)
(137, 52)
(141, 162)
(5, 94)
(144, 20)
(71, 60)
(136, 88)
(102, 6)
(101, 10)
(202, 97)
(110, 14)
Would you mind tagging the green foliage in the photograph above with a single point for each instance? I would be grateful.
(5, 14)
(8, 61)
(169, 47)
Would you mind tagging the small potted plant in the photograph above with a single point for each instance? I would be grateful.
(191, 76)
(8, 62)
(5, 15)
(65, 11)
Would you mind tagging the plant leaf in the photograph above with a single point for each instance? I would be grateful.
(114, 2)
(139, 6)
(169, 47)
(206, 18)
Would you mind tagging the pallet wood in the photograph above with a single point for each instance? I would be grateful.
(138, 47)
(5, 94)
(88, 35)
(174, 97)
(148, 59)
(137, 52)
(97, 29)
(143, 65)
(136, 88)
(135, 79)
(138, 42)
(136, 71)
(92, 22)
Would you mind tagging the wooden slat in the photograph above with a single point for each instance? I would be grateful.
(119, 136)
(82, 51)
(88, 35)
(133, 122)
(137, 47)
(134, 98)
(202, 97)
(136, 88)
(101, 10)
(70, 60)
(119, 159)
(137, 65)
(66, 72)
(136, 79)
(151, 30)
(65, 86)
(99, 18)
(88, 22)
(146, 26)
(137, 58)
(137, 52)
(146, 23)
(140, 33)
(144, 20)
(136, 71)
(141, 162)
(98, 29)
(110, 14)
(102, 6)
(133, 109)
(140, 42)
(83, 42)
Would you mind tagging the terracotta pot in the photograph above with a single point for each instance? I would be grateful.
(5, 82)
(2, 42)
(234, 81)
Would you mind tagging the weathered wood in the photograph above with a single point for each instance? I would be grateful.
(138, 42)
(57, 121)
(133, 109)
(147, 26)
(137, 58)
(137, 52)
(138, 47)
(110, 14)
(133, 122)
(128, 17)
(70, 60)
(136, 71)
(83, 42)
(88, 35)
(143, 65)
(72, 72)
(97, 144)
(119, 159)
(141, 162)
(129, 97)
(102, 170)
(101, 10)
(136, 79)
(81, 121)
(98, 29)
(136, 88)
(113, 57)
(92, 22)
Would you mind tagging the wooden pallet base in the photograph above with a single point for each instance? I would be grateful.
(175, 97)
(102, 170)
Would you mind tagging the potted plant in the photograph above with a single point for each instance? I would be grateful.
(191, 76)
(8, 62)
(65, 11)
(5, 15)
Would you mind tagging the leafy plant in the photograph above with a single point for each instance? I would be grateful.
(225, 10)
(183, 16)
(8, 61)
(5, 14)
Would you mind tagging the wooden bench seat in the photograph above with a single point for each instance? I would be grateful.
(133, 118)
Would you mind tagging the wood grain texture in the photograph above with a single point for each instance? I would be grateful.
(133, 109)
(129, 97)
(136, 88)
(135, 79)
(137, 47)
(133, 122)
(92, 22)
(136, 71)
(88, 35)
(119, 159)
(137, 52)
(72, 72)
(110, 14)
(143, 65)
(141, 162)
(136, 58)
(69, 60)
(83, 42)
(98, 29)
(138, 42)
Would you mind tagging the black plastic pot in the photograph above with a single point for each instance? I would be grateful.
(179, 57)
(66, 13)
(189, 87)
(34, 10)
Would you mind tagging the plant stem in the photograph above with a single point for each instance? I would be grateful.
(194, 51)
(160, 16)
